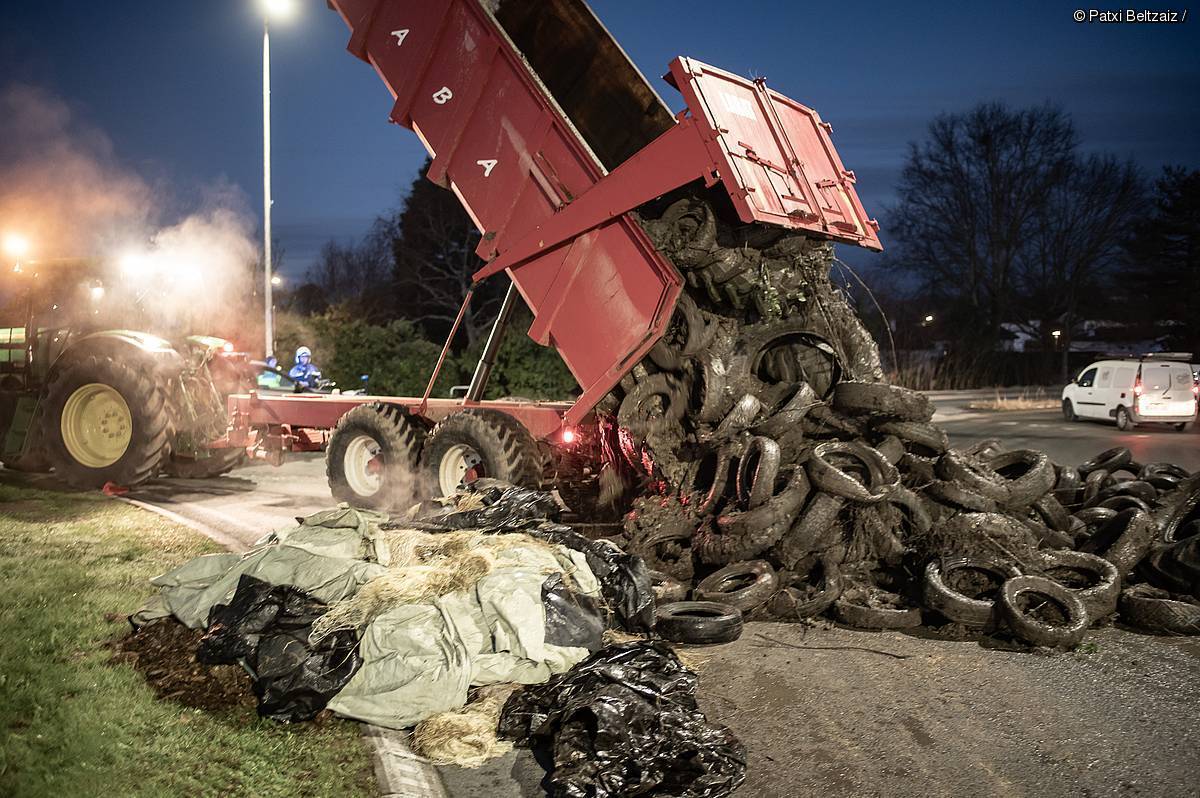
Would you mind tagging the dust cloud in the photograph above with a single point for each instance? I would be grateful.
(65, 191)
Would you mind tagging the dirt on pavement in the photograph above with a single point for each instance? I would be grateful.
(1118, 717)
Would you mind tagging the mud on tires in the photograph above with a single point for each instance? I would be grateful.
(977, 611)
(116, 423)
(372, 455)
(1019, 615)
(480, 443)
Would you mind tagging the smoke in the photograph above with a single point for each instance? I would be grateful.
(63, 189)
(62, 186)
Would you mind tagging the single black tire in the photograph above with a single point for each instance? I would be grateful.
(1069, 411)
(1153, 610)
(1124, 420)
(217, 463)
(847, 610)
(1033, 630)
(1100, 596)
(480, 443)
(745, 585)
(372, 456)
(698, 622)
(1109, 460)
(957, 607)
(667, 589)
(71, 390)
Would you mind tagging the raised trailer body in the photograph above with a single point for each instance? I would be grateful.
(551, 138)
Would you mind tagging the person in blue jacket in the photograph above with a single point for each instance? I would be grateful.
(305, 371)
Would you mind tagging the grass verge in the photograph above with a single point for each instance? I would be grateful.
(72, 566)
(1037, 399)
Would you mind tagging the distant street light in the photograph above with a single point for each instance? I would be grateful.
(276, 280)
(277, 9)
(16, 246)
(1056, 333)
(929, 319)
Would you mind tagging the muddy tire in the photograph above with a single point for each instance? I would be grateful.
(729, 585)
(1153, 610)
(954, 494)
(372, 455)
(1036, 631)
(1099, 597)
(698, 622)
(1029, 475)
(667, 589)
(104, 421)
(217, 463)
(480, 443)
(958, 607)
(747, 534)
(881, 399)
(852, 613)
(1124, 540)
(927, 440)
(791, 603)
(973, 475)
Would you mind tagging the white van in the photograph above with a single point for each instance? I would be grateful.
(1159, 388)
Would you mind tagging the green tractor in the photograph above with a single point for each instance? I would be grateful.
(96, 404)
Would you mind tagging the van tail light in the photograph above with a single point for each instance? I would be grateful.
(1195, 389)
(1137, 387)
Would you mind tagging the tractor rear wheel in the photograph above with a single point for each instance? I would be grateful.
(218, 462)
(480, 443)
(372, 456)
(104, 421)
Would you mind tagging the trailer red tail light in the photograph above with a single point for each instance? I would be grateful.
(569, 435)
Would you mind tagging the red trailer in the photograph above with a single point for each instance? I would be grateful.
(550, 137)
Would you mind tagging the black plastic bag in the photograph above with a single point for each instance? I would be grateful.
(507, 508)
(624, 578)
(624, 722)
(265, 629)
(572, 619)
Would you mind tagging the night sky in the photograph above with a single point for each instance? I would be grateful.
(175, 85)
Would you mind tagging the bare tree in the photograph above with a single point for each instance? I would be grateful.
(971, 197)
(1075, 246)
(433, 245)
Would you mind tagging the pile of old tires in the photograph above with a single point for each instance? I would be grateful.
(783, 479)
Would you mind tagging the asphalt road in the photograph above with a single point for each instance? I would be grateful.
(1121, 716)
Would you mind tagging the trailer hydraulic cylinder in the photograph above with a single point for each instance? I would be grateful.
(483, 371)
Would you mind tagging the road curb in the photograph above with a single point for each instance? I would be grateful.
(217, 536)
(399, 772)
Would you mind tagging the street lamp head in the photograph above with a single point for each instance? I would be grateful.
(15, 245)
(276, 280)
(929, 319)
(278, 9)
(1056, 333)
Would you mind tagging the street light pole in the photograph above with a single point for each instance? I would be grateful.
(268, 310)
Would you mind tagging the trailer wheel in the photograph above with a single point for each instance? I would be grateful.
(104, 421)
(371, 456)
(480, 443)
